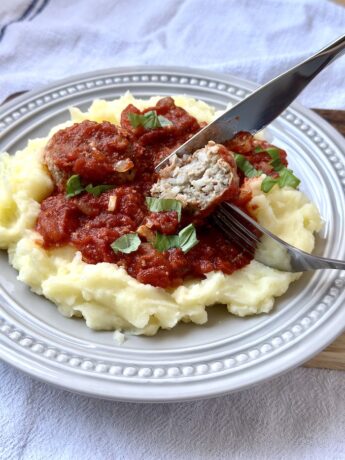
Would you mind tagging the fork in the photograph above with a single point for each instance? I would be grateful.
(270, 250)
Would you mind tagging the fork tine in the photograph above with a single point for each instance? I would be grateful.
(235, 221)
(227, 226)
(232, 236)
(229, 219)
(232, 222)
(230, 230)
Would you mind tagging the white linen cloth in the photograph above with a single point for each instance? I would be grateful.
(253, 39)
(300, 415)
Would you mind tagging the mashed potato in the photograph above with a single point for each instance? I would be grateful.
(104, 294)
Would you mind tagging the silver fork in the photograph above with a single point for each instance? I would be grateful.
(278, 254)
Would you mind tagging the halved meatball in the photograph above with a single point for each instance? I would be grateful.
(201, 180)
(100, 153)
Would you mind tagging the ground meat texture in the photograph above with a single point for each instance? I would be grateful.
(201, 180)
(100, 153)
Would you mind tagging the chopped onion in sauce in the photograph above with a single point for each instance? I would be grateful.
(112, 203)
(145, 232)
(123, 165)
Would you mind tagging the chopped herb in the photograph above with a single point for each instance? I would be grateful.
(164, 242)
(164, 121)
(268, 183)
(164, 204)
(246, 167)
(185, 240)
(187, 237)
(286, 176)
(269, 150)
(148, 120)
(126, 243)
(273, 152)
(97, 190)
(74, 186)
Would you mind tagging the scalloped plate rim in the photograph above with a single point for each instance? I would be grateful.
(177, 393)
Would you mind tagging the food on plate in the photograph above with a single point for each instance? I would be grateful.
(199, 181)
(90, 225)
(96, 151)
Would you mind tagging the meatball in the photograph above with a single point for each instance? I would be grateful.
(100, 153)
(201, 180)
(58, 219)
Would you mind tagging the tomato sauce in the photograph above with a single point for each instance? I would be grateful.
(92, 223)
(245, 144)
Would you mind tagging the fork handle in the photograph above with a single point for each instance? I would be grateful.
(311, 262)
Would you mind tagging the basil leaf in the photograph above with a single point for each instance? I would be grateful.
(269, 150)
(97, 190)
(273, 152)
(126, 243)
(148, 120)
(135, 119)
(164, 204)
(74, 186)
(164, 121)
(276, 160)
(187, 238)
(268, 183)
(287, 178)
(164, 242)
(246, 167)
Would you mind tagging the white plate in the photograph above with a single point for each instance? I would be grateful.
(190, 361)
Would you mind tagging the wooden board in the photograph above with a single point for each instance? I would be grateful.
(334, 356)
(331, 358)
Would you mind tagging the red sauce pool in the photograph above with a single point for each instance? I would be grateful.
(87, 222)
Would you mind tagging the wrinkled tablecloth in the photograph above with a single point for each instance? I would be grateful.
(300, 415)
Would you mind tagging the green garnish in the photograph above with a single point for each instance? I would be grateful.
(164, 204)
(268, 183)
(274, 154)
(185, 240)
(97, 190)
(286, 175)
(270, 150)
(164, 121)
(246, 167)
(126, 243)
(148, 120)
(287, 178)
(164, 242)
(74, 186)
